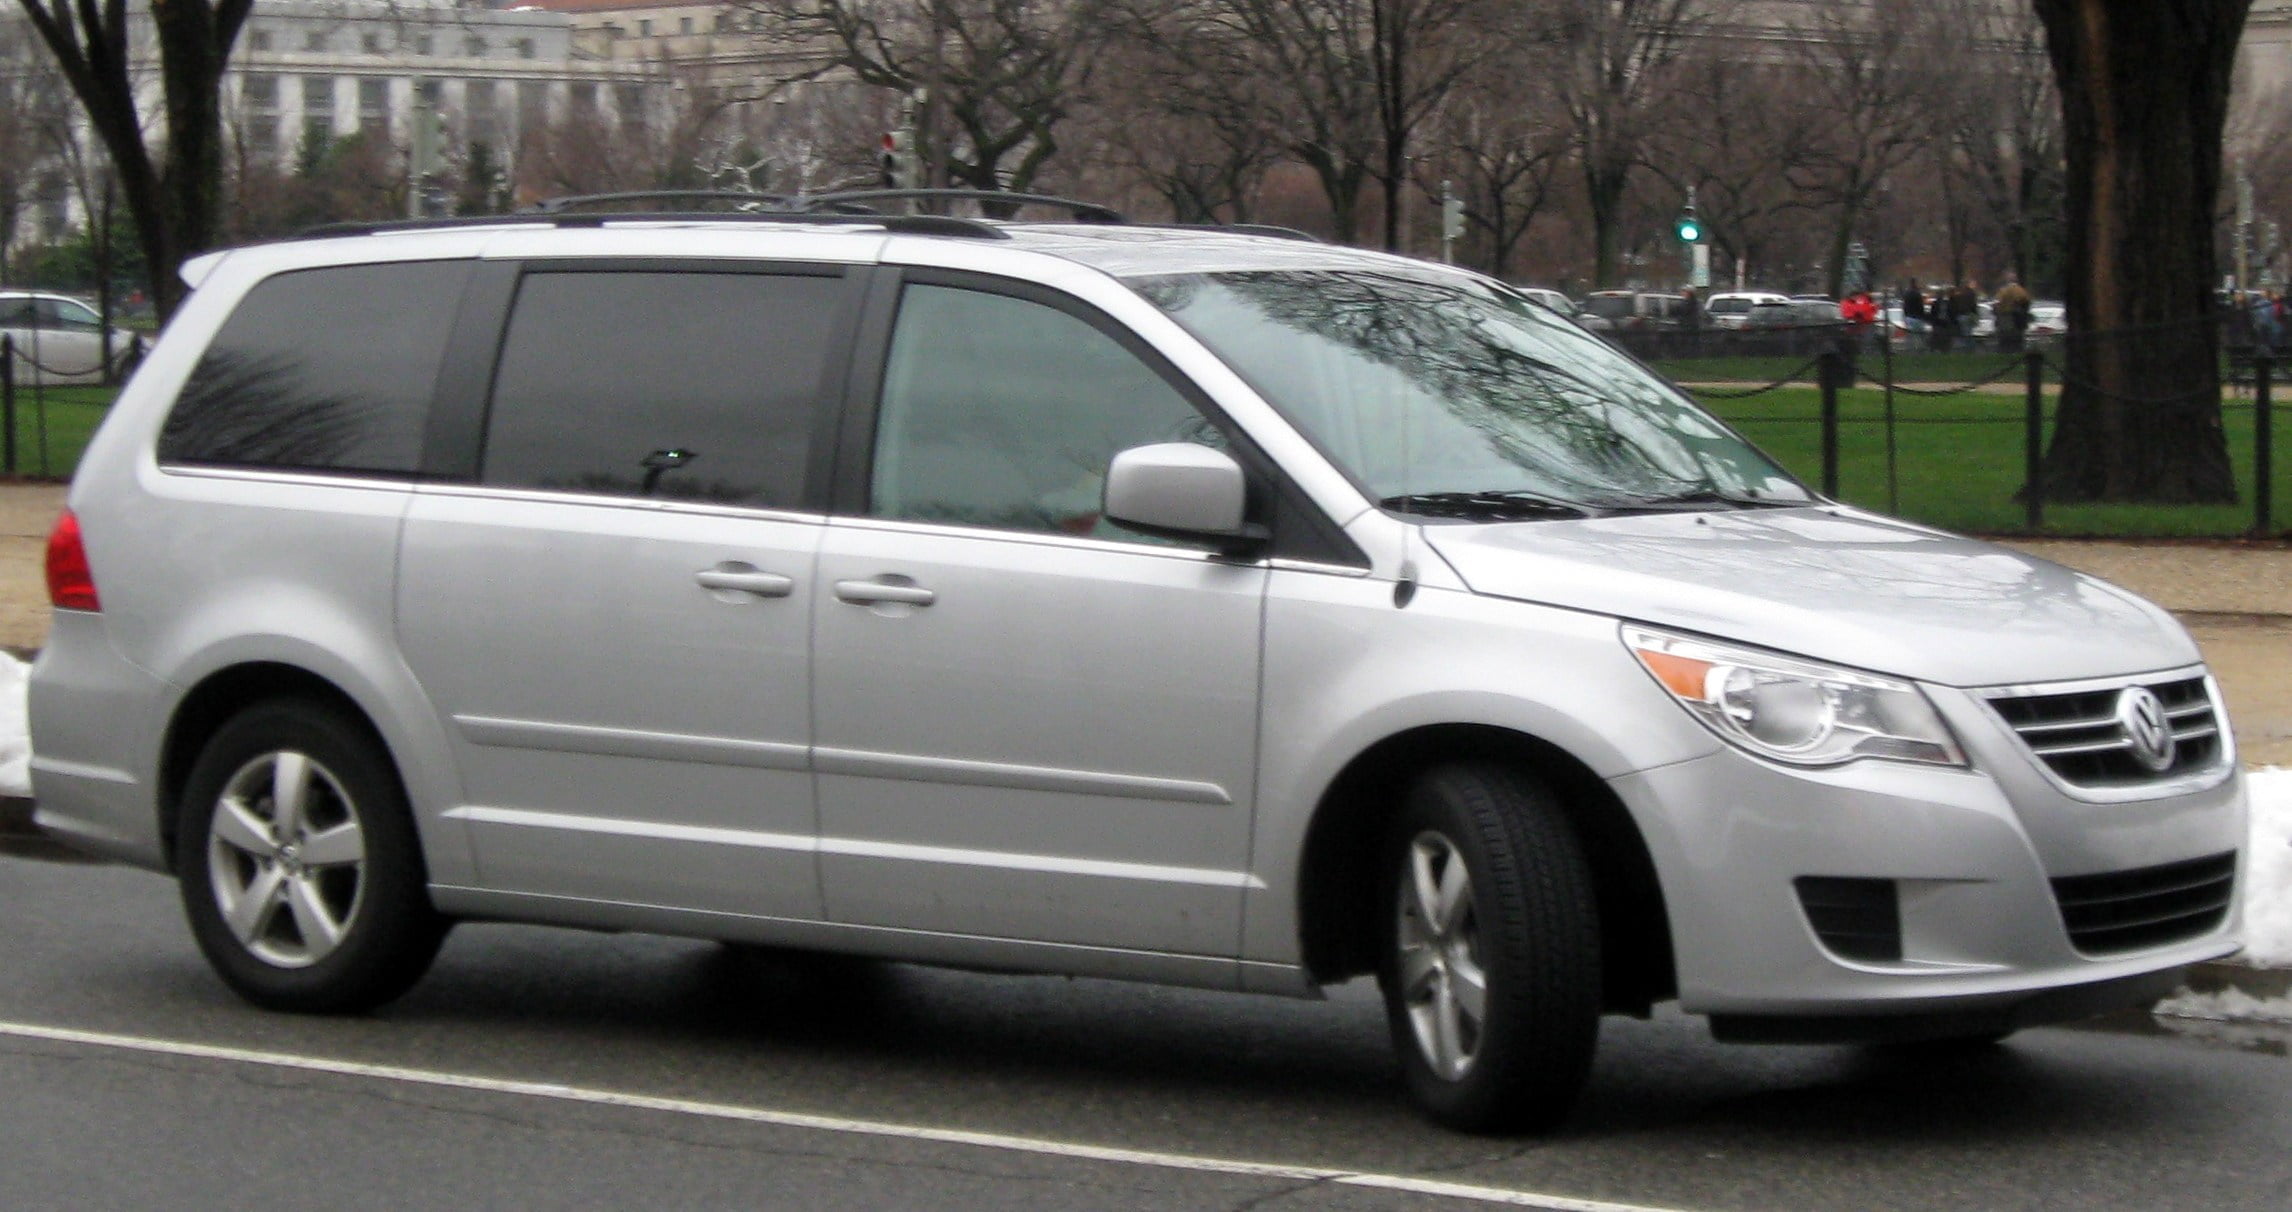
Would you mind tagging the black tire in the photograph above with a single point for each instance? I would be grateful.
(335, 909)
(1527, 923)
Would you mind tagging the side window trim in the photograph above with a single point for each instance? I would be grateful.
(1300, 531)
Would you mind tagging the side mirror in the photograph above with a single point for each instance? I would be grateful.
(1177, 490)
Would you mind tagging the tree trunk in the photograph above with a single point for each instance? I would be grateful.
(1604, 190)
(2144, 94)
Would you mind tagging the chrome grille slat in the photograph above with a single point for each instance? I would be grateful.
(2073, 730)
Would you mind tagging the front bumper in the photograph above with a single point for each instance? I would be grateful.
(1971, 856)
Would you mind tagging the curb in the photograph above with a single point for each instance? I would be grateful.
(2226, 976)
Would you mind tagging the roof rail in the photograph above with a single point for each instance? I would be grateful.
(747, 200)
(922, 225)
(861, 201)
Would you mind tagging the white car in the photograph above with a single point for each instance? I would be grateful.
(1732, 309)
(58, 339)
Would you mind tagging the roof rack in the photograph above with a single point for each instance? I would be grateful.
(922, 225)
(748, 200)
(861, 201)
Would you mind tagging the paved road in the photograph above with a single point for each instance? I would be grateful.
(557, 1069)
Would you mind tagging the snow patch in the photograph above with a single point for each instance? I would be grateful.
(15, 729)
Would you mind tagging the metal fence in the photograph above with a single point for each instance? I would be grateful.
(2165, 388)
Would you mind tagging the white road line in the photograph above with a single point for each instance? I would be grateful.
(823, 1123)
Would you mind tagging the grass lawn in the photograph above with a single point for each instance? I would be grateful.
(1959, 458)
(67, 416)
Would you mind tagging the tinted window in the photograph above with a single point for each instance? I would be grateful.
(321, 369)
(691, 385)
(1001, 412)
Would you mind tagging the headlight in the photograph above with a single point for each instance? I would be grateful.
(1793, 710)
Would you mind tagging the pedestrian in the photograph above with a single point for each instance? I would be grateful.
(2012, 310)
(2267, 331)
(1941, 326)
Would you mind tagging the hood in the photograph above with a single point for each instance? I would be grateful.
(1841, 586)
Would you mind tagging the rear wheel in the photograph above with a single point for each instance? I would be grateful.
(1490, 969)
(299, 868)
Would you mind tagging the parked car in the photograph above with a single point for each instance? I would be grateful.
(1732, 309)
(1185, 606)
(2048, 320)
(59, 339)
(1634, 310)
(1565, 306)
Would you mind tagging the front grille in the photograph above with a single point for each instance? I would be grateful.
(1856, 919)
(2130, 910)
(2077, 734)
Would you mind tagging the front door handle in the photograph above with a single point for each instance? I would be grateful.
(872, 593)
(743, 578)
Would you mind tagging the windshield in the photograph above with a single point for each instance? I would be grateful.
(1614, 307)
(1441, 388)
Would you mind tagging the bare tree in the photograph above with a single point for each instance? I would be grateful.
(993, 80)
(2003, 122)
(1613, 58)
(1200, 143)
(175, 197)
(1731, 134)
(1300, 69)
(2144, 95)
(1866, 78)
(1504, 153)
(35, 131)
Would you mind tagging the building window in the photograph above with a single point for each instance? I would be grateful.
(582, 96)
(431, 93)
(525, 48)
(314, 42)
(263, 136)
(479, 96)
(425, 45)
(373, 107)
(370, 43)
(644, 29)
(318, 94)
(474, 48)
(259, 92)
(317, 131)
(684, 25)
(259, 40)
(532, 101)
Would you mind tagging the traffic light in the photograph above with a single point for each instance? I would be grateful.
(1689, 228)
(1451, 218)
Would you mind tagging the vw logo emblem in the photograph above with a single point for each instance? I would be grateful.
(2141, 715)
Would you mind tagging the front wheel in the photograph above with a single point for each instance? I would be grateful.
(299, 867)
(1490, 966)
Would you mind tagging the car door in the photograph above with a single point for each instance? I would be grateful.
(611, 617)
(1029, 723)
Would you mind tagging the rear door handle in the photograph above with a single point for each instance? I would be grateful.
(871, 593)
(744, 579)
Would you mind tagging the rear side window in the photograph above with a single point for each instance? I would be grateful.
(321, 370)
(689, 385)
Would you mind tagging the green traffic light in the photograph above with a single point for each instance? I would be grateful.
(1689, 230)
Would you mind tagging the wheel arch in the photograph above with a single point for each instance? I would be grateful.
(1337, 917)
(221, 695)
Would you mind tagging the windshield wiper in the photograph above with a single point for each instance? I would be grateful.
(1697, 497)
(1503, 506)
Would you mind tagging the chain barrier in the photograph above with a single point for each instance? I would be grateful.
(118, 364)
(1939, 392)
(1710, 393)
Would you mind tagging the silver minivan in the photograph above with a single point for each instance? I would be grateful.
(1174, 605)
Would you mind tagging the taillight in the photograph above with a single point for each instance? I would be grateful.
(71, 586)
